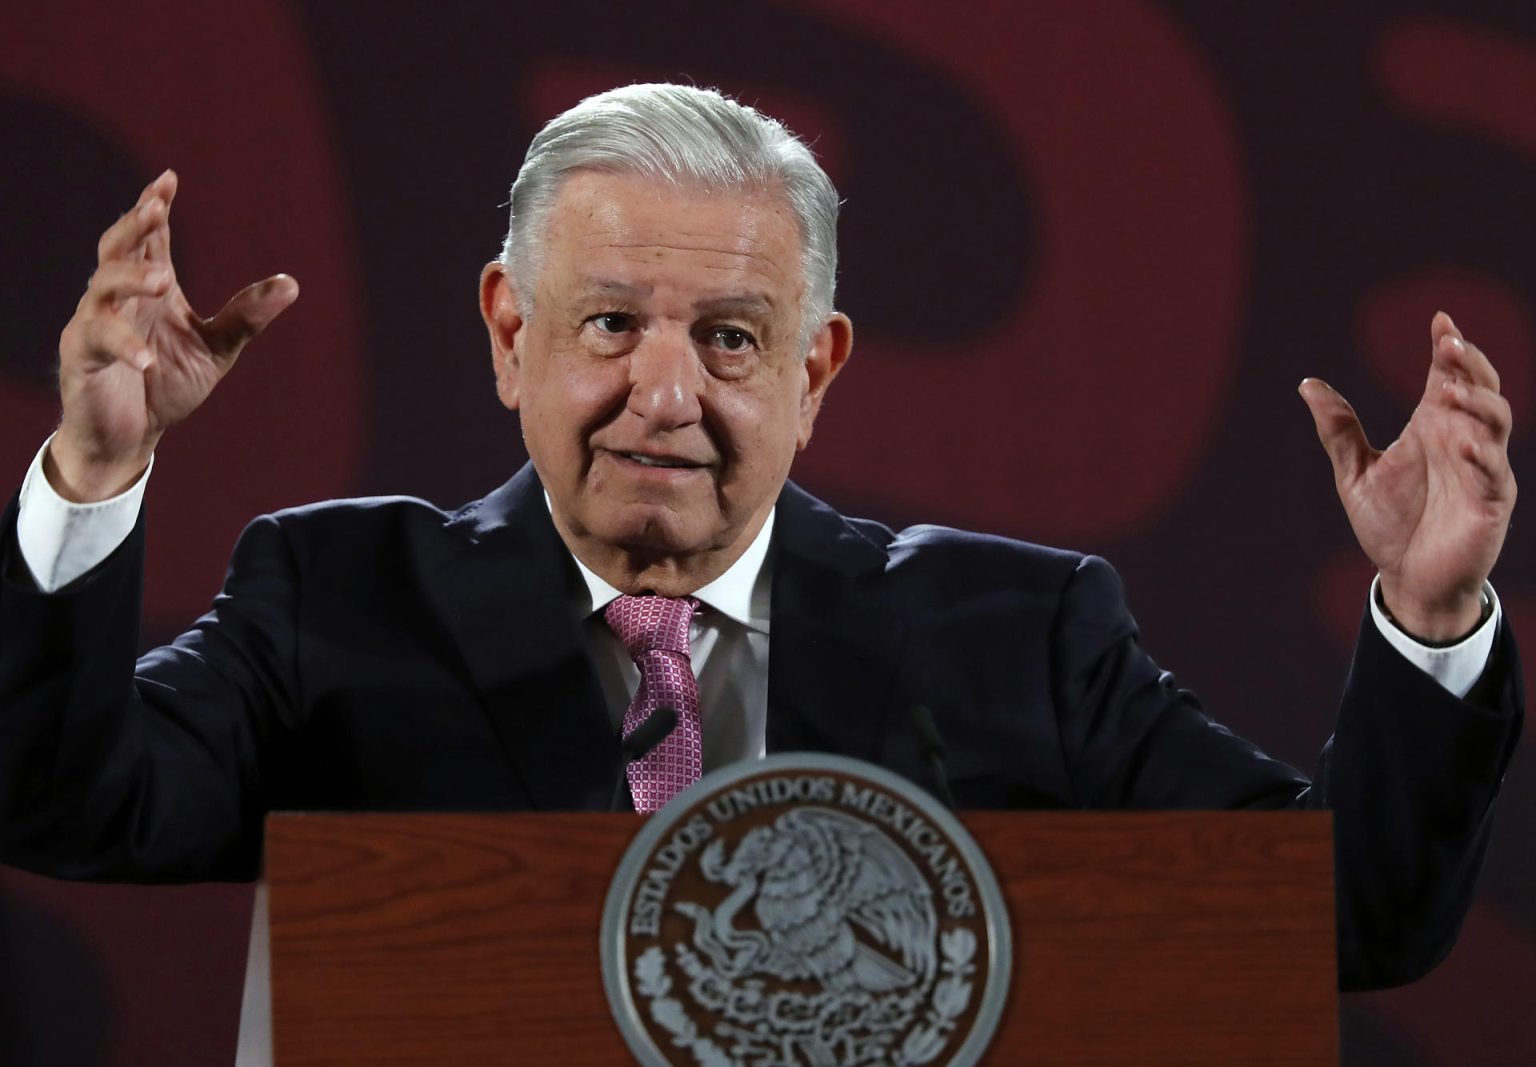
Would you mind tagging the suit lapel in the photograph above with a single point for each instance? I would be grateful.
(834, 645)
(503, 591)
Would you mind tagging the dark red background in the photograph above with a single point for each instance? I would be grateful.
(1090, 249)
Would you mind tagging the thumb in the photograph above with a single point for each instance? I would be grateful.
(1338, 428)
(247, 313)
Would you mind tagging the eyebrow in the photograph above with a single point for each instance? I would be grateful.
(736, 304)
(746, 305)
(591, 287)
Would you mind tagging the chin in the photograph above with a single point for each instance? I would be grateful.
(653, 529)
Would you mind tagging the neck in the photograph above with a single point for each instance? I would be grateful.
(635, 570)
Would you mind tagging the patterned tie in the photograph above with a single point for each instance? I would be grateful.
(654, 630)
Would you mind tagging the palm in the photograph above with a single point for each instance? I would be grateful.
(186, 367)
(125, 406)
(1421, 513)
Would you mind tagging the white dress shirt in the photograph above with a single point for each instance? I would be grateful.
(728, 647)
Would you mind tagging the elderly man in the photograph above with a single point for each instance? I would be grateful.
(662, 321)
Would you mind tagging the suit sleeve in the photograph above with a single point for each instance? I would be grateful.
(1410, 774)
(147, 771)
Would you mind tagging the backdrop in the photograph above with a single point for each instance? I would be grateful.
(1091, 248)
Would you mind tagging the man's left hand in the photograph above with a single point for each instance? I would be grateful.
(1430, 511)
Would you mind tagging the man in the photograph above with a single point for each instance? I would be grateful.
(662, 321)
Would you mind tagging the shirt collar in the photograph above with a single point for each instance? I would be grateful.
(740, 594)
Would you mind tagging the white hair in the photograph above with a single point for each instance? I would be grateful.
(687, 137)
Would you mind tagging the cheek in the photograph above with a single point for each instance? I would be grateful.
(764, 428)
(572, 395)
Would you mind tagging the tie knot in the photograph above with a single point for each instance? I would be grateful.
(651, 623)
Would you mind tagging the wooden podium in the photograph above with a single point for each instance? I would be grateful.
(1166, 938)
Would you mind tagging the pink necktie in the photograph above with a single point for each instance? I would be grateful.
(654, 630)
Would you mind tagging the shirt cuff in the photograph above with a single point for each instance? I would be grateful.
(61, 540)
(1456, 667)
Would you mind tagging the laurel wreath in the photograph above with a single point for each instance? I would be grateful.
(652, 982)
(951, 997)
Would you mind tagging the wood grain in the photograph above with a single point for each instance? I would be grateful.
(1166, 938)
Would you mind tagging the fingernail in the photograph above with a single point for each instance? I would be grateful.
(1457, 344)
(156, 278)
(142, 359)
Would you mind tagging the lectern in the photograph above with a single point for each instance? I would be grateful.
(1139, 938)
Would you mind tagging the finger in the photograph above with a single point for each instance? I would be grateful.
(109, 338)
(163, 186)
(127, 235)
(1485, 405)
(123, 279)
(247, 313)
(1459, 358)
(1442, 325)
(1338, 428)
(157, 243)
(1492, 462)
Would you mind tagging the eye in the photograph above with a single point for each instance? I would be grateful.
(731, 339)
(613, 322)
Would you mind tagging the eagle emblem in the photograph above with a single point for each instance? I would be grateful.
(805, 910)
(816, 879)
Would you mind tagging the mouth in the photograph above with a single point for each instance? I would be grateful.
(657, 462)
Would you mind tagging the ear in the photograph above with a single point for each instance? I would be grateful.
(504, 323)
(829, 351)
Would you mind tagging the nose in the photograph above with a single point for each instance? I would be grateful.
(665, 381)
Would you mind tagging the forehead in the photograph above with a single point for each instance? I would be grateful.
(635, 232)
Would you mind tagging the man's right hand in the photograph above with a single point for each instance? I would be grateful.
(136, 359)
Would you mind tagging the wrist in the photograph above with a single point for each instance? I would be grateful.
(82, 476)
(1442, 623)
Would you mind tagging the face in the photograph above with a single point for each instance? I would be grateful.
(659, 379)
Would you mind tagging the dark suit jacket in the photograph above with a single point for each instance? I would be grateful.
(380, 654)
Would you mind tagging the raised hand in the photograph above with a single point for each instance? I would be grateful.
(136, 359)
(1432, 510)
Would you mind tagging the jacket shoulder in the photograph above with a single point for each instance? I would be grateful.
(930, 544)
(815, 528)
(365, 509)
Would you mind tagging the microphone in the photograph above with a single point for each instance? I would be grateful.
(650, 733)
(933, 750)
